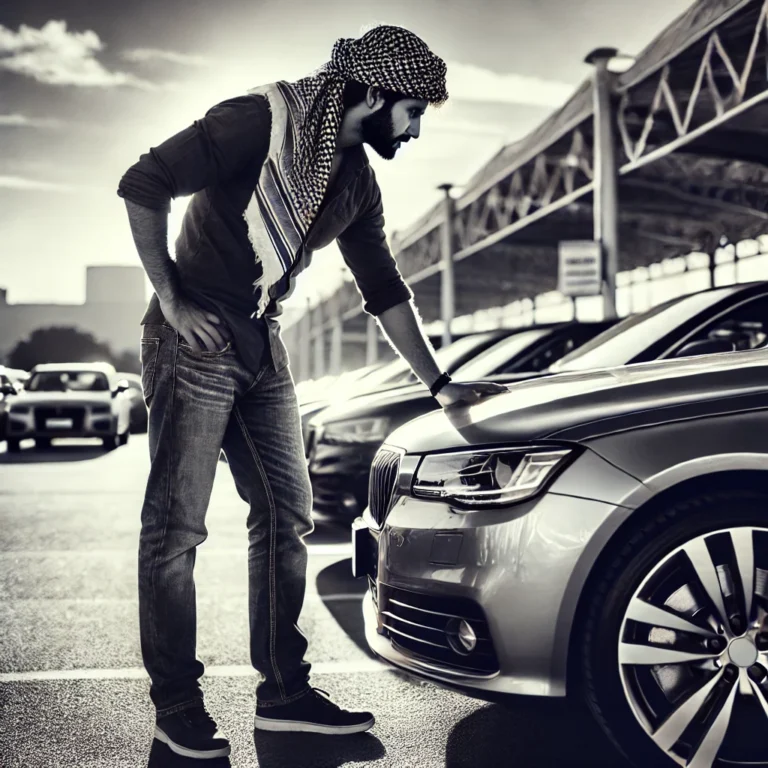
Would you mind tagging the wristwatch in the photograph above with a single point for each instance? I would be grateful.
(442, 380)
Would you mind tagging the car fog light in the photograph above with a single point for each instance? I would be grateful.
(467, 636)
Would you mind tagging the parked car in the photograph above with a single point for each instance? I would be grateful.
(602, 533)
(135, 393)
(343, 439)
(70, 400)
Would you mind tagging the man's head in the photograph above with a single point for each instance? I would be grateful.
(381, 118)
(390, 77)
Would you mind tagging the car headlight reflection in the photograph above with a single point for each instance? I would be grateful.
(493, 477)
(355, 431)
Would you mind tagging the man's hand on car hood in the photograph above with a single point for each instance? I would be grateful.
(453, 395)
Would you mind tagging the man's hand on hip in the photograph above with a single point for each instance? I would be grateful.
(202, 330)
(454, 394)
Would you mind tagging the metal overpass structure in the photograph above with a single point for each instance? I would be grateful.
(667, 158)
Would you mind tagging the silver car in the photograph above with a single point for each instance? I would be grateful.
(603, 533)
(70, 400)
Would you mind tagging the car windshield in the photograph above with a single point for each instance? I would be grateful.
(488, 362)
(68, 381)
(624, 341)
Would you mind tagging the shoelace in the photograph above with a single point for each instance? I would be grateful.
(199, 717)
(326, 698)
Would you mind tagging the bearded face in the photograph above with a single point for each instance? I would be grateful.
(392, 125)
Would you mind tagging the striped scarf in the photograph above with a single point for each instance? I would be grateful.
(306, 116)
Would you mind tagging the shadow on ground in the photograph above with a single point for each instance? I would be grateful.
(337, 579)
(161, 757)
(313, 750)
(529, 731)
(56, 453)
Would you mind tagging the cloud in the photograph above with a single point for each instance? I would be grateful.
(31, 185)
(21, 121)
(468, 82)
(155, 54)
(56, 56)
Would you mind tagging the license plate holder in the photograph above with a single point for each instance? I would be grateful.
(58, 423)
(363, 550)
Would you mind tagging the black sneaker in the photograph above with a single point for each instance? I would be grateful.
(313, 713)
(192, 733)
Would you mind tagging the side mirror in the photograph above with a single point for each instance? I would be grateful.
(122, 386)
(706, 347)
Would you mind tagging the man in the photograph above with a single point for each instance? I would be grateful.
(275, 175)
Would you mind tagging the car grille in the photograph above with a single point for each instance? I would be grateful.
(76, 414)
(424, 627)
(382, 485)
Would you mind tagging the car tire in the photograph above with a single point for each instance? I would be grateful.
(123, 439)
(111, 443)
(640, 562)
(14, 445)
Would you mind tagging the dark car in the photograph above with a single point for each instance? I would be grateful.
(599, 533)
(346, 436)
(343, 439)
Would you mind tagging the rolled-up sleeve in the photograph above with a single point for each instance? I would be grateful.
(364, 248)
(218, 147)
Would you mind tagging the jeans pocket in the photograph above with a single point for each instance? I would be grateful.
(217, 353)
(149, 350)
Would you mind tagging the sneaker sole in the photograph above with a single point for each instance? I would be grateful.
(268, 724)
(195, 754)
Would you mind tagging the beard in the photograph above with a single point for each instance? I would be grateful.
(379, 133)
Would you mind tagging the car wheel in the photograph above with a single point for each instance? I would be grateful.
(675, 646)
(110, 443)
(123, 439)
(14, 445)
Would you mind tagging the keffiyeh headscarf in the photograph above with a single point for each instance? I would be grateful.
(306, 117)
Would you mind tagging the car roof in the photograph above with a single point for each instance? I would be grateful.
(65, 367)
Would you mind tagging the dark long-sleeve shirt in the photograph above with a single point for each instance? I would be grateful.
(218, 160)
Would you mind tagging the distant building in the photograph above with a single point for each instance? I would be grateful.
(115, 301)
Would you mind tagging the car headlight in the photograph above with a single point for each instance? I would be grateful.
(355, 431)
(497, 476)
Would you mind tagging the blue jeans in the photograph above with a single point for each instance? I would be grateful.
(198, 404)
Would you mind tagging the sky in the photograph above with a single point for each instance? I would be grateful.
(86, 88)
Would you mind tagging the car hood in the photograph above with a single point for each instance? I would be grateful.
(62, 398)
(584, 404)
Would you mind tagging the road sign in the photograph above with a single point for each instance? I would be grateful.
(580, 270)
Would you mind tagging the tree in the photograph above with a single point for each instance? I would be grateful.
(59, 345)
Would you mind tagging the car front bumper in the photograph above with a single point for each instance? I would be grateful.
(515, 575)
(47, 422)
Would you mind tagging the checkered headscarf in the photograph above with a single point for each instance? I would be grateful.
(385, 57)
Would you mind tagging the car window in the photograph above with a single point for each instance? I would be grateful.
(628, 339)
(68, 381)
(502, 354)
(744, 326)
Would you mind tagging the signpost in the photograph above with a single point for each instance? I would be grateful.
(580, 270)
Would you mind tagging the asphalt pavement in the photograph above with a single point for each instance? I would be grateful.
(72, 688)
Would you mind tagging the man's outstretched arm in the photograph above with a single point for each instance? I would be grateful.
(404, 330)
(364, 248)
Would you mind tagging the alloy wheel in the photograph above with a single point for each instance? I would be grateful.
(693, 650)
